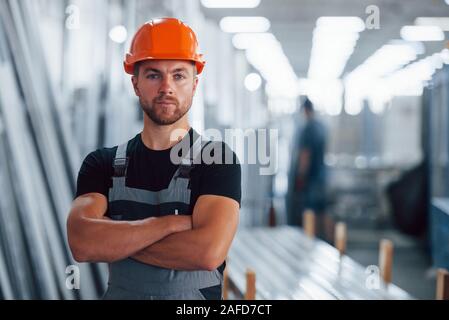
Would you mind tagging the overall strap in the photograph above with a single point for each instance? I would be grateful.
(192, 157)
(120, 163)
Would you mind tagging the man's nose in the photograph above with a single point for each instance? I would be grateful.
(166, 86)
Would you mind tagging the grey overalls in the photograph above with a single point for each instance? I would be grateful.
(130, 279)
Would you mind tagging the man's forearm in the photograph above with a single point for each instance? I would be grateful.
(187, 250)
(104, 240)
(304, 162)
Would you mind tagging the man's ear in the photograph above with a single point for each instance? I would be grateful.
(195, 83)
(136, 89)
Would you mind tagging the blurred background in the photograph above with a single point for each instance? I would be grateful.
(376, 73)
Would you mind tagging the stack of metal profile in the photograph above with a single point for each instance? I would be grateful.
(290, 265)
(37, 171)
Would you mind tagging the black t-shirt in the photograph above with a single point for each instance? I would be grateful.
(152, 170)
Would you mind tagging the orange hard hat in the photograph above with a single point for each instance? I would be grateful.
(164, 38)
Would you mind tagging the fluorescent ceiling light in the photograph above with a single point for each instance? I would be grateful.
(400, 54)
(331, 102)
(273, 68)
(230, 3)
(118, 34)
(264, 52)
(244, 24)
(245, 40)
(353, 108)
(385, 60)
(407, 81)
(252, 82)
(354, 24)
(442, 22)
(422, 33)
(411, 79)
(445, 55)
(418, 46)
(334, 40)
(436, 60)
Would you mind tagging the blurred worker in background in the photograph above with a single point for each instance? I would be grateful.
(307, 187)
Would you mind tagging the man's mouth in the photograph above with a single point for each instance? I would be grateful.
(165, 102)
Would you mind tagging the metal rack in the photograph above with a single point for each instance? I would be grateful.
(36, 167)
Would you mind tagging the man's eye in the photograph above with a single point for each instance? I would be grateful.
(153, 76)
(179, 76)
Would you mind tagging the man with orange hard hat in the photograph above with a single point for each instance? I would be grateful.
(152, 208)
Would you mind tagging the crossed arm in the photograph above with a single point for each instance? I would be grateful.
(205, 246)
(168, 241)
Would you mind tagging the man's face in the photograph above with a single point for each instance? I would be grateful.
(165, 89)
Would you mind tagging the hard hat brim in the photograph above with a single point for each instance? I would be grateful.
(199, 63)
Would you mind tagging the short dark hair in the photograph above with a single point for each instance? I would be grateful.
(137, 68)
(308, 105)
(139, 63)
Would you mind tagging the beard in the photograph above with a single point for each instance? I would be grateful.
(161, 115)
